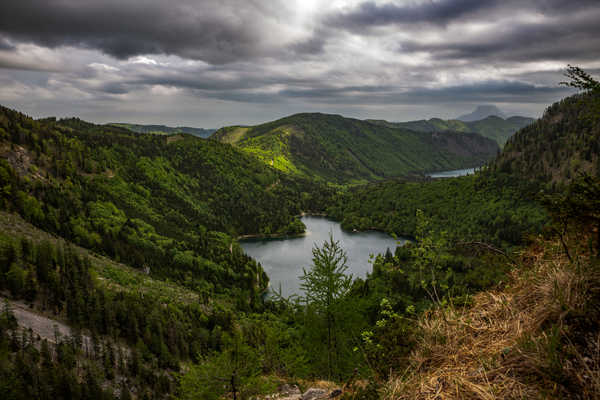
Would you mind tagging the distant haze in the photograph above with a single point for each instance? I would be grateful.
(166, 130)
(482, 112)
(210, 63)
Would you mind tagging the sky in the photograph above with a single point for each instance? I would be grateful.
(211, 63)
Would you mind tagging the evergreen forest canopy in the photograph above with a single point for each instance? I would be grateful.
(569, 130)
(129, 239)
(172, 203)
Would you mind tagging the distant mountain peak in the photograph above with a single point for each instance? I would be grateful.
(481, 112)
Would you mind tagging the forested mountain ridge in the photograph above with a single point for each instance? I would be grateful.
(493, 127)
(339, 149)
(495, 209)
(546, 154)
(165, 130)
(556, 148)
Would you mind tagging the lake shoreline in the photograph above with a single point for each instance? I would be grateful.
(284, 258)
(455, 173)
(271, 236)
(285, 235)
(309, 214)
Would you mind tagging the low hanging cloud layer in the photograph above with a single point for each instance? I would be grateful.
(216, 32)
(211, 63)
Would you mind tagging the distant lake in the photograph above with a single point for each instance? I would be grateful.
(453, 173)
(283, 259)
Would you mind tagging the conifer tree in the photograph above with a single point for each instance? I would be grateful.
(324, 284)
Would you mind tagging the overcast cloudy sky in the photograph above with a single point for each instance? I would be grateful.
(210, 63)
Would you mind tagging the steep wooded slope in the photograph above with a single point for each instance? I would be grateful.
(334, 148)
(560, 145)
(172, 203)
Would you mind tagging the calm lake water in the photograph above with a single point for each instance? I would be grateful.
(452, 174)
(283, 259)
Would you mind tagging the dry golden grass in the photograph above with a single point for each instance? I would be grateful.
(522, 342)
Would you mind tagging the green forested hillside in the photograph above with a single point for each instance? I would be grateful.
(495, 209)
(493, 127)
(565, 142)
(170, 207)
(126, 326)
(173, 204)
(500, 203)
(334, 148)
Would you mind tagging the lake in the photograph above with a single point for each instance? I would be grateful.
(283, 259)
(452, 174)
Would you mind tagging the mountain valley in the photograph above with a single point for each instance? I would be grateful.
(129, 242)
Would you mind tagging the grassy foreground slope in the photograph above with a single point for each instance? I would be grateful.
(535, 338)
(338, 149)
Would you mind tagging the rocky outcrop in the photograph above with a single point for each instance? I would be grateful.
(292, 392)
(315, 394)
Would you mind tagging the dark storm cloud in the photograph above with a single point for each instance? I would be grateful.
(206, 80)
(159, 57)
(10, 61)
(491, 91)
(369, 14)
(576, 37)
(216, 31)
(313, 45)
(328, 92)
(114, 88)
(320, 93)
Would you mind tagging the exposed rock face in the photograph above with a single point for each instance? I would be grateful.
(286, 392)
(292, 392)
(314, 394)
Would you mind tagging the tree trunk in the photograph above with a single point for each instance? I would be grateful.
(328, 345)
